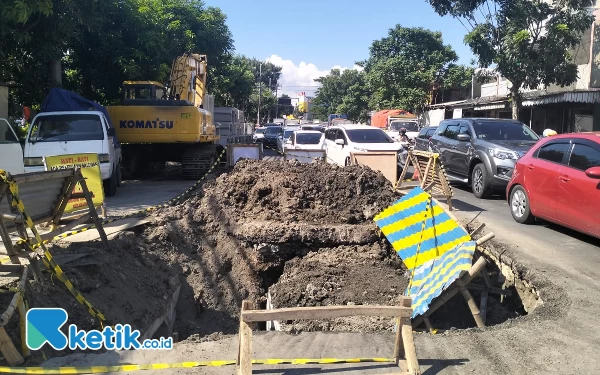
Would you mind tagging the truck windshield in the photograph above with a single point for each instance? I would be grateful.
(63, 128)
(308, 138)
(410, 126)
(368, 136)
(6, 133)
(504, 131)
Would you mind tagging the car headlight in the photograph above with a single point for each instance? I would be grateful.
(504, 155)
(33, 162)
(104, 158)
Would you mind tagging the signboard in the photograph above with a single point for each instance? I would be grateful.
(432, 245)
(90, 169)
(457, 113)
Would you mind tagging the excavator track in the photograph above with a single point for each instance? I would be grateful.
(196, 161)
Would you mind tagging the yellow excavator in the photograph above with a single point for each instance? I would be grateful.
(157, 123)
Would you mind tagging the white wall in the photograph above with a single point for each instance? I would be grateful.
(433, 117)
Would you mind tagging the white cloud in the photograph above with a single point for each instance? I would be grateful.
(300, 78)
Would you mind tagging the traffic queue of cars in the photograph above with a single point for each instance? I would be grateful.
(555, 178)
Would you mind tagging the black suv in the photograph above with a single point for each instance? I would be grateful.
(482, 151)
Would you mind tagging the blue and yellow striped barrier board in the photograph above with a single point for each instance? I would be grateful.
(402, 224)
(433, 246)
(431, 279)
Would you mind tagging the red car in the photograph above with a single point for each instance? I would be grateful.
(558, 180)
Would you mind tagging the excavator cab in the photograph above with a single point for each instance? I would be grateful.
(149, 93)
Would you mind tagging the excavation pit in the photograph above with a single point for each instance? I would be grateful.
(302, 233)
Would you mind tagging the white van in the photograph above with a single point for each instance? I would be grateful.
(11, 153)
(74, 132)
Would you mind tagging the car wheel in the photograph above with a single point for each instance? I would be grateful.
(480, 183)
(110, 185)
(519, 206)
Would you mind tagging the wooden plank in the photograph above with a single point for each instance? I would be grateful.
(42, 176)
(324, 312)
(244, 361)
(60, 204)
(399, 352)
(410, 350)
(93, 212)
(478, 229)
(11, 355)
(485, 238)
(471, 303)
(110, 229)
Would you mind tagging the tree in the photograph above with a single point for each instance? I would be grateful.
(235, 84)
(103, 43)
(341, 92)
(529, 42)
(268, 104)
(270, 73)
(403, 67)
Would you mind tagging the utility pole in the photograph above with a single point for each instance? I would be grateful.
(259, 93)
(277, 98)
(270, 108)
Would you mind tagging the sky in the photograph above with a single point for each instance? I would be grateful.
(309, 38)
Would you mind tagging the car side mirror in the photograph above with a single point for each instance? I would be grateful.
(339, 142)
(463, 137)
(111, 132)
(593, 172)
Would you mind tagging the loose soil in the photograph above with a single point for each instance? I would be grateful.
(302, 232)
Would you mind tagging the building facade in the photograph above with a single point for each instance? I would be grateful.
(574, 108)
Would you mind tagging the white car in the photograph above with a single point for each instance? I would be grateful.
(74, 132)
(341, 140)
(284, 136)
(306, 140)
(11, 153)
(259, 134)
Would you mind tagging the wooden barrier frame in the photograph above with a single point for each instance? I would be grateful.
(461, 286)
(70, 178)
(404, 349)
(432, 176)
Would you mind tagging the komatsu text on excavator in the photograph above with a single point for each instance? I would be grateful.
(157, 123)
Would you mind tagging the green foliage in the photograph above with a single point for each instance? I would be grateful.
(268, 104)
(528, 41)
(103, 43)
(400, 72)
(404, 66)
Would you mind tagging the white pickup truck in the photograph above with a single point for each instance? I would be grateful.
(75, 132)
(11, 153)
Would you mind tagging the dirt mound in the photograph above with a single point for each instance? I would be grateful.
(233, 239)
(345, 275)
(314, 193)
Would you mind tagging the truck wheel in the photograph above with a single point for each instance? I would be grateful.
(110, 185)
(480, 183)
(119, 175)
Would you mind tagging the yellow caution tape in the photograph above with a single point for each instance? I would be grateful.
(48, 260)
(107, 221)
(164, 366)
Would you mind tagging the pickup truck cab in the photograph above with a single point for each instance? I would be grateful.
(74, 132)
(11, 153)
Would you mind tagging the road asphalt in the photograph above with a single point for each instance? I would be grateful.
(559, 337)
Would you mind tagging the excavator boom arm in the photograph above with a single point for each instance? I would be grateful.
(188, 78)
